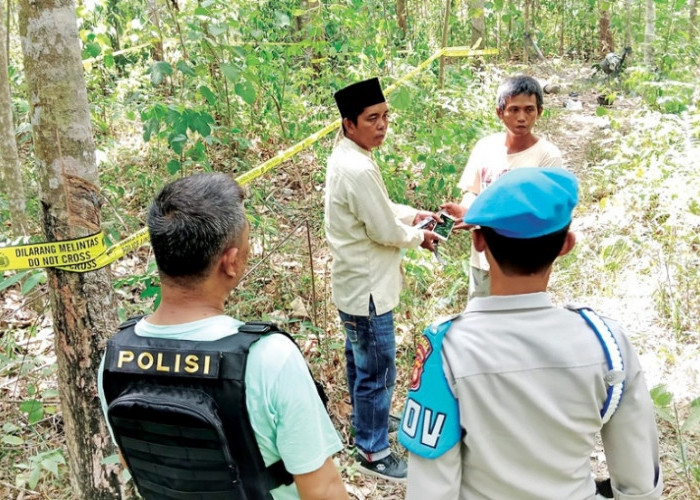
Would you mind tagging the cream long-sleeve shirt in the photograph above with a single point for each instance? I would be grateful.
(365, 231)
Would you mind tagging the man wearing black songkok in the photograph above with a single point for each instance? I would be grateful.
(366, 232)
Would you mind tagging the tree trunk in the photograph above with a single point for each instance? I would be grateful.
(445, 31)
(154, 18)
(477, 20)
(628, 23)
(607, 43)
(401, 17)
(526, 41)
(693, 18)
(649, 34)
(10, 170)
(82, 304)
(562, 25)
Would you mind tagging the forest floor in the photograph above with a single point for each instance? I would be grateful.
(620, 268)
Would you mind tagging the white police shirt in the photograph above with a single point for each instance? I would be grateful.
(529, 380)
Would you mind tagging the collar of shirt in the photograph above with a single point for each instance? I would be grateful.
(539, 300)
(349, 143)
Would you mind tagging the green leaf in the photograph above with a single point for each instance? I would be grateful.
(282, 20)
(660, 396)
(34, 410)
(49, 393)
(246, 91)
(12, 440)
(185, 68)
(34, 477)
(151, 291)
(10, 427)
(231, 72)
(158, 72)
(51, 465)
(177, 142)
(601, 111)
(93, 49)
(693, 419)
(401, 99)
(208, 94)
(36, 278)
(109, 61)
(11, 280)
(174, 167)
(112, 459)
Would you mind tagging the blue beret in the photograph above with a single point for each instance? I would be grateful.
(526, 202)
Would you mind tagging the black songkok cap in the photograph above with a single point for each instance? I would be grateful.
(356, 97)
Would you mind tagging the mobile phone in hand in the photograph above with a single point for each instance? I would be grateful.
(444, 228)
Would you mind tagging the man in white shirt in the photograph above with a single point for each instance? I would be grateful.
(519, 105)
(366, 233)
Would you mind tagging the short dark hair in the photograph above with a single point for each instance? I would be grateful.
(524, 256)
(192, 220)
(352, 116)
(516, 85)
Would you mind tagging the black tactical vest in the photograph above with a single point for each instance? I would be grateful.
(178, 413)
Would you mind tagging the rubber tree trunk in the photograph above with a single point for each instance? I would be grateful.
(402, 17)
(82, 304)
(526, 23)
(445, 33)
(693, 19)
(10, 169)
(607, 43)
(477, 19)
(649, 33)
(628, 23)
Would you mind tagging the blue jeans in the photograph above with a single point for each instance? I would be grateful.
(370, 353)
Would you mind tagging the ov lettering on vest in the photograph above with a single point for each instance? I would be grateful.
(417, 416)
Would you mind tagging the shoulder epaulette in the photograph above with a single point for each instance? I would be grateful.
(615, 378)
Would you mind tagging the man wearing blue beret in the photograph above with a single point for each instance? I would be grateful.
(509, 395)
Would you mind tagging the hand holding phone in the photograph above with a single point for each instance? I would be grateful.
(444, 228)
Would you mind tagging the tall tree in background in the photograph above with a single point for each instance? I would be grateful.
(477, 20)
(526, 39)
(83, 316)
(10, 169)
(649, 33)
(402, 17)
(607, 43)
(628, 23)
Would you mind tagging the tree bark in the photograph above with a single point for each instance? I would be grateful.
(82, 304)
(477, 20)
(154, 18)
(628, 23)
(401, 17)
(10, 170)
(445, 32)
(649, 33)
(607, 43)
(526, 22)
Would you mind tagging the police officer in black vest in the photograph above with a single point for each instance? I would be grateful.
(201, 405)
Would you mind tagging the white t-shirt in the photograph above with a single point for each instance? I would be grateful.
(490, 159)
(287, 416)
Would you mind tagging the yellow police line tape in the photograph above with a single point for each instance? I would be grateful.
(90, 252)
